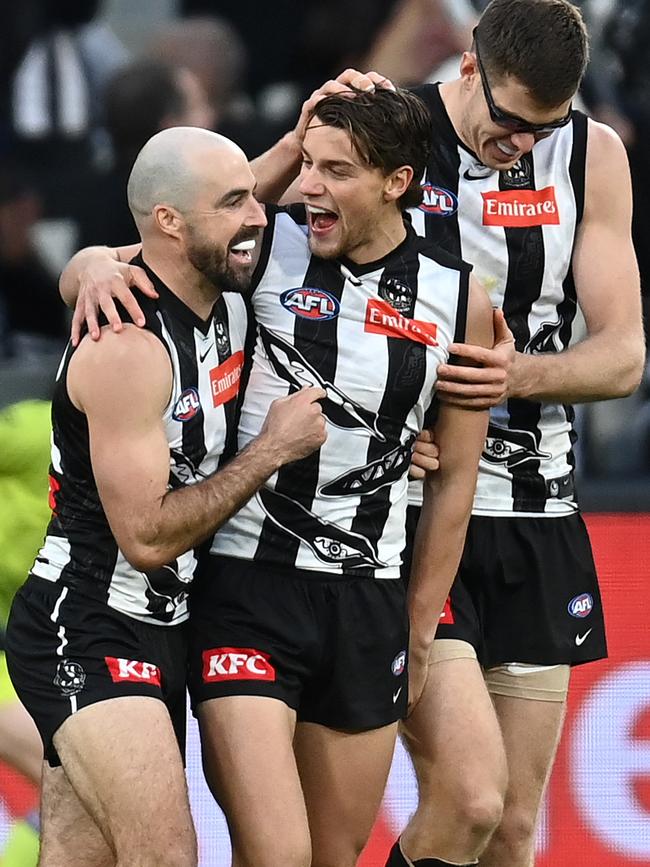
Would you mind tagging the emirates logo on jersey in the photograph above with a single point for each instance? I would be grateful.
(381, 318)
(225, 379)
(521, 208)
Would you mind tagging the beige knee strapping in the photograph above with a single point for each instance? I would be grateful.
(450, 648)
(536, 682)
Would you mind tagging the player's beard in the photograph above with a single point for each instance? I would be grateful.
(212, 263)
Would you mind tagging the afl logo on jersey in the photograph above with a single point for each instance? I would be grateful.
(310, 303)
(187, 405)
(438, 201)
(581, 606)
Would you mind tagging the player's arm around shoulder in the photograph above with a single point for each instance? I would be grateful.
(608, 362)
(448, 495)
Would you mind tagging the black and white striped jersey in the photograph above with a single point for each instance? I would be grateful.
(518, 230)
(372, 336)
(201, 425)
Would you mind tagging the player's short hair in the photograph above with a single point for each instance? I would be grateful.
(542, 43)
(388, 129)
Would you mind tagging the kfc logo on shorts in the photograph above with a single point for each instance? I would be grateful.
(521, 208)
(225, 379)
(381, 318)
(310, 303)
(581, 606)
(236, 663)
(399, 663)
(447, 615)
(132, 670)
(438, 201)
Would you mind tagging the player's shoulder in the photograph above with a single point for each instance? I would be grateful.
(427, 248)
(603, 143)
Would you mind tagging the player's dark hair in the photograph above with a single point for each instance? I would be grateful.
(542, 43)
(388, 128)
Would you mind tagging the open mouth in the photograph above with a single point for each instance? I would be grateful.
(243, 251)
(321, 221)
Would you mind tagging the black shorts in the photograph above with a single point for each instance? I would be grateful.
(66, 651)
(333, 648)
(526, 591)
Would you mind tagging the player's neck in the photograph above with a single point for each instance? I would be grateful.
(387, 236)
(453, 99)
(181, 278)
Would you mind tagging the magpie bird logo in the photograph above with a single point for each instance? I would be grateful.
(546, 338)
(510, 448)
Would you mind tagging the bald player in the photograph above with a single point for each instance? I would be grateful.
(142, 424)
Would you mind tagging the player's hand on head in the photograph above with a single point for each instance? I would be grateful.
(425, 457)
(295, 425)
(345, 83)
(101, 284)
(479, 379)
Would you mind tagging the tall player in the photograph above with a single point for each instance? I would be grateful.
(537, 197)
(142, 420)
(299, 624)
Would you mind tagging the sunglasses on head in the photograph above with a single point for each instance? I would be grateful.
(512, 122)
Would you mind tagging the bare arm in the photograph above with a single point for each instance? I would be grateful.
(448, 496)
(151, 524)
(608, 363)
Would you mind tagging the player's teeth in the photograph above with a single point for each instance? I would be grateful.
(244, 245)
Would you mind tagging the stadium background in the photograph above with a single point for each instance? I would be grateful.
(597, 812)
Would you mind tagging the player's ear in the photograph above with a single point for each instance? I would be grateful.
(168, 220)
(397, 183)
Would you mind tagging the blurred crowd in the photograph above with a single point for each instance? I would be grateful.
(83, 84)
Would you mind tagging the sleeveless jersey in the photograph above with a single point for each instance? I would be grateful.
(372, 336)
(518, 230)
(200, 423)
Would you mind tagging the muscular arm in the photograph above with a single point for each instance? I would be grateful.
(130, 453)
(448, 495)
(608, 363)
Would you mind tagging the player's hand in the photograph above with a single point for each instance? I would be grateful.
(425, 458)
(418, 672)
(343, 83)
(100, 284)
(295, 425)
(483, 386)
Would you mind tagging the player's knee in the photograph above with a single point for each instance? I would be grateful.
(516, 830)
(281, 853)
(481, 812)
(164, 850)
(342, 854)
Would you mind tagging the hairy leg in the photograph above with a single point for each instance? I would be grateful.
(251, 770)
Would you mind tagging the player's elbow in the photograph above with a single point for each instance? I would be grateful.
(631, 373)
(145, 557)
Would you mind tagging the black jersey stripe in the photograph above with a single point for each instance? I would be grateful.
(526, 258)
(318, 343)
(404, 381)
(568, 308)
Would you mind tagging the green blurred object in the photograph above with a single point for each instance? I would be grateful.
(24, 510)
(22, 846)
